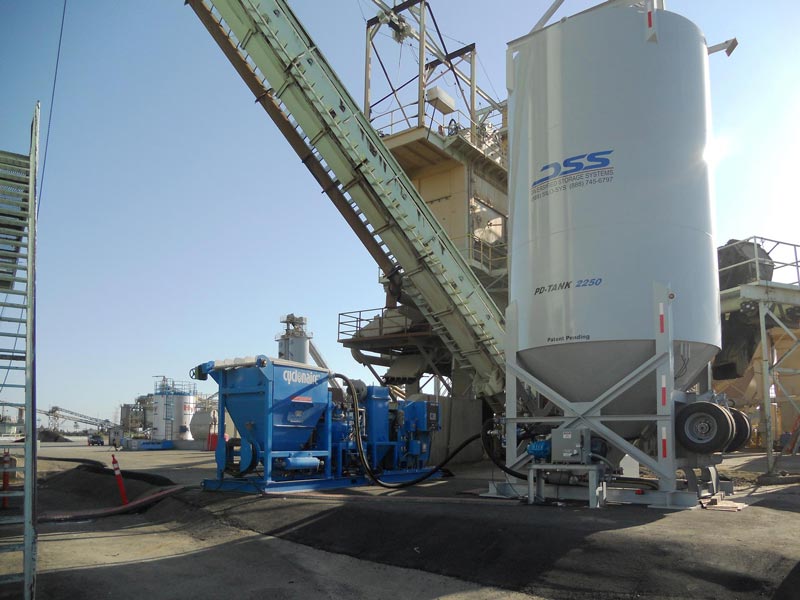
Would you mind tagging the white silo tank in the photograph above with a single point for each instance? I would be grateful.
(203, 422)
(185, 407)
(610, 194)
(163, 417)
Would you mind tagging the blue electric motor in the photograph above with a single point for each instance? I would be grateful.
(540, 449)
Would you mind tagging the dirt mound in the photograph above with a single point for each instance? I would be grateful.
(48, 436)
(88, 487)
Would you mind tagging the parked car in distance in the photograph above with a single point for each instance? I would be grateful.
(96, 440)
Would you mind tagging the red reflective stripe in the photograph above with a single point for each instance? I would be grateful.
(663, 396)
(664, 447)
(661, 322)
(650, 19)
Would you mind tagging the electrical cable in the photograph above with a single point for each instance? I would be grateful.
(361, 10)
(444, 47)
(50, 112)
(611, 465)
(362, 455)
(500, 464)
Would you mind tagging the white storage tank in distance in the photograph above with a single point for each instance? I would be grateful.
(610, 195)
(174, 405)
(203, 423)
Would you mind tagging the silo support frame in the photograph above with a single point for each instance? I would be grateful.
(665, 463)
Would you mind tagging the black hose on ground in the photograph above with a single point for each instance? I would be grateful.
(363, 458)
(490, 452)
(635, 482)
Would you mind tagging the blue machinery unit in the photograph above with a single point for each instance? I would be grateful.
(297, 434)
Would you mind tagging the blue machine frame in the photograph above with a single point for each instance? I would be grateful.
(296, 435)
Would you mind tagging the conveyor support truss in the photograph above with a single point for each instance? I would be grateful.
(291, 79)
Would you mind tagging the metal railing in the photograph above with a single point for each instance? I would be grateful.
(487, 133)
(758, 259)
(377, 322)
(166, 386)
(491, 256)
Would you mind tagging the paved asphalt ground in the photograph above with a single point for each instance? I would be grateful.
(439, 540)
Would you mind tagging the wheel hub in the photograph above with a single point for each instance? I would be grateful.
(701, 428)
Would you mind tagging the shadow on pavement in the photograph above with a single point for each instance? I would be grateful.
(142, 561)
(557, 552)
(788, 589)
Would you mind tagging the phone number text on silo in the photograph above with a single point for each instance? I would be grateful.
(571, 182)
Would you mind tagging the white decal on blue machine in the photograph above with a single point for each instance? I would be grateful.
(296, 376)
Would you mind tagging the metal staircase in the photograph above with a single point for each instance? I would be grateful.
(17, 344)
(291, 79)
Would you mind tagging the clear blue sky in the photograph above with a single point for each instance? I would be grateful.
(177, 226)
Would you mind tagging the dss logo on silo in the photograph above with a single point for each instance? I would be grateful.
(575, 164)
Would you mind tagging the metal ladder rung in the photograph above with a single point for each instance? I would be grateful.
(8, 265)
(12, 445)
(11, 368)
(12, 469)
(8, 175)
(14, 159)
(14, 243)
(10, 278)
(17, 194)
(15, 547)
(13, 305)
(13, 255)
(12, 357)
(19, 386)
(14, 179)
(15, 167)
(13, 217)
(16, 232)
(10, 320)
(11, 578)
(469, 352)
(11, 493)
(13, 191)
(13, 187)
(19, 336)
(11, 174)
(15, 292)
(6, 198)
(16, 519)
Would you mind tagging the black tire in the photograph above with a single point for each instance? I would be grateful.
(742, 433)
(703, 427)
(732, 422)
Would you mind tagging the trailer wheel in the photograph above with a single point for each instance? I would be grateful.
(732, 423)
(742, 433)
(703, 427)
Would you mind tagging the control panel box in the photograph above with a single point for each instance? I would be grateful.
(572, 445)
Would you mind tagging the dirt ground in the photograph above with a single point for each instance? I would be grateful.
(438, 540)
